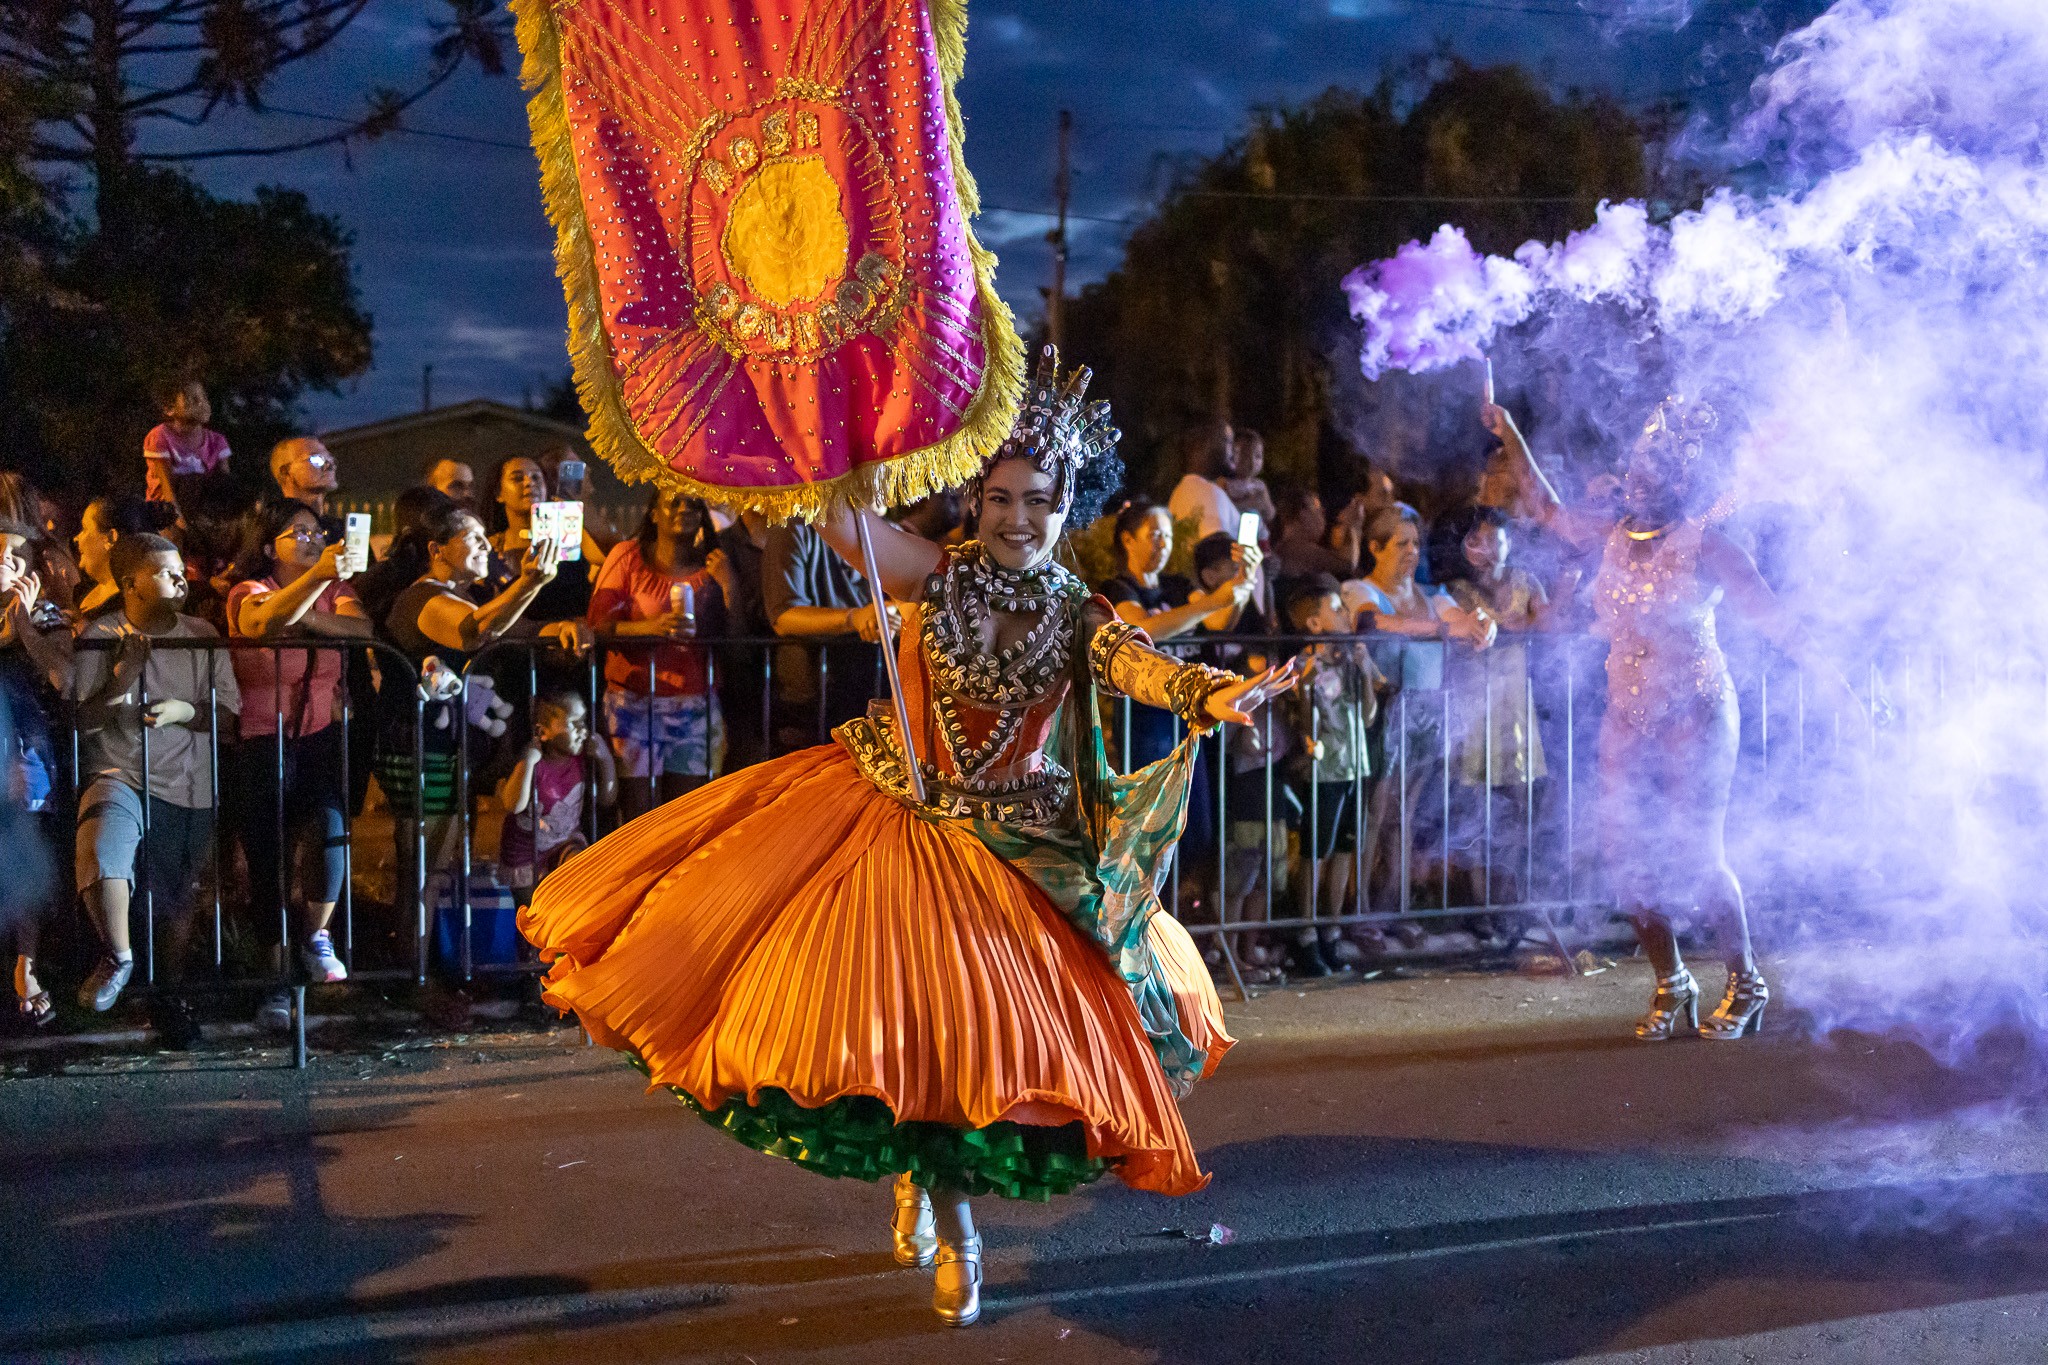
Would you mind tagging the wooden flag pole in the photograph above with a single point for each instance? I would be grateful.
(881, 605)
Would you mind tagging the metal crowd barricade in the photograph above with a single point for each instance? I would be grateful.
(394, 669)
(1447, 801)
(733, 665)
(1437, 775)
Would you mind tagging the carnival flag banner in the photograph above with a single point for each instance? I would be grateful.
(761, 210)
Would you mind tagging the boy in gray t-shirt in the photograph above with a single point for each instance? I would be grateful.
(186, 690)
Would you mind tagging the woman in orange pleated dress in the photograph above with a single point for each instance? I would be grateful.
(978, 993)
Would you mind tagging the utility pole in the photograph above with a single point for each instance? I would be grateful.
(426, 388)
(1056, 300)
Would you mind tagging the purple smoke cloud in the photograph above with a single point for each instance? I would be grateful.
(1435, 305)
(1878, 316)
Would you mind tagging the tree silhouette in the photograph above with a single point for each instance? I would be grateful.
(105, 71)
(1227, 301)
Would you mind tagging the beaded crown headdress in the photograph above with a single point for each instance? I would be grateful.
(1676, 434)
(1057, 428)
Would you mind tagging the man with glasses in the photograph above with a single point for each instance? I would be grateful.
(304, 471)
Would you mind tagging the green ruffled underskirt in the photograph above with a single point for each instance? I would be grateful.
(858, 1137)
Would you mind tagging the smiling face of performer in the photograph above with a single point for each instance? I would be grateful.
(1021, 516)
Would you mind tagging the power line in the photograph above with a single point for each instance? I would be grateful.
(405, 128)
(1552, 12)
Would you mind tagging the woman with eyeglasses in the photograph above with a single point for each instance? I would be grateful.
(290, 585)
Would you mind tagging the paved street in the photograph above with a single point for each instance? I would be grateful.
(1460, 1169)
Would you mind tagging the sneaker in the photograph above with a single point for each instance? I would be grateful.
(321, 963)
(1306, 960)
(175, 1027)
(275, 1014)
(1343, 953)
(104, 986)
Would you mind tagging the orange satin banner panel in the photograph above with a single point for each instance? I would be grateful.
(762, 230)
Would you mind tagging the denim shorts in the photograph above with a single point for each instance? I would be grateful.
(110, 835)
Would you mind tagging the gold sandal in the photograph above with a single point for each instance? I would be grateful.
(958, 1305)
(911, 1227)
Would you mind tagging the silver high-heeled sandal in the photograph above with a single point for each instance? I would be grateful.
(959, 1305)
(1741, 1011)
(911, 1227)
(1677, 997)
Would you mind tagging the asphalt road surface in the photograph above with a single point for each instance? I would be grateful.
(1461, 1169)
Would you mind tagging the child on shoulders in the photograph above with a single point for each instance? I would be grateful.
(182, 446)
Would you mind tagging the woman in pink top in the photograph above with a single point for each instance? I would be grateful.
(668, 582)
(291, 758)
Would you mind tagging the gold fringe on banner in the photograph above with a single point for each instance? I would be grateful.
(887, 483)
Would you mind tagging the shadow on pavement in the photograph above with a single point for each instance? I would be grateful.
(154, 1221)
(1552, 1286)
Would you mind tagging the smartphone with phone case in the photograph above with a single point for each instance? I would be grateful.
(545, 525)
(1248, 528)
(355, 539)
(569, 478)
(569, 530)
(561, 522)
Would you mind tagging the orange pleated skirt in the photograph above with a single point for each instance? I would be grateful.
(790, 928)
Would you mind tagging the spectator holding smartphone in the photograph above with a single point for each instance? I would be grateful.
(33, 661)
(517, 486)
(439, 626)
(290, 764)
(568, 474)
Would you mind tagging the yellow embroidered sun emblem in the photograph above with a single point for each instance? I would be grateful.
(786, 235)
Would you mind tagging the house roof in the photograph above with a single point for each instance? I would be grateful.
(455, 412)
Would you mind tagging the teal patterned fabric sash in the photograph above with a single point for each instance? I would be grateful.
(1110, 888)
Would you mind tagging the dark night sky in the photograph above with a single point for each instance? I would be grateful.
(453, 253)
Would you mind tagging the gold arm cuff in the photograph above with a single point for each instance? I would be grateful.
(1126, 664)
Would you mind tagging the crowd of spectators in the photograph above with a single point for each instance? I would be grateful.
(88, 611)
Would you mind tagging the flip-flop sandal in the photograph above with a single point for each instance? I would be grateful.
(38, 1009)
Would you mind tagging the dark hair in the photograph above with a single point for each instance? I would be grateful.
(1212, 550)
(131, 551)
(1290, 500)
(1446, 548)
(1202, 448)
(557, 698)
(1095, 483)
(698, 550)
(495, 519)
(405, 559)
(166, 391)
(1135, 514)
(1307, 588)
(443, 524)
(1474, 517)
(1386, 522)
(413, 509)
(124, 514)
(260, 530)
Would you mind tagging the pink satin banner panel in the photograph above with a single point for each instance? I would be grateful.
(788, 291)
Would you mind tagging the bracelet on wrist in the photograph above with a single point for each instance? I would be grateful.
(1189, 691)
